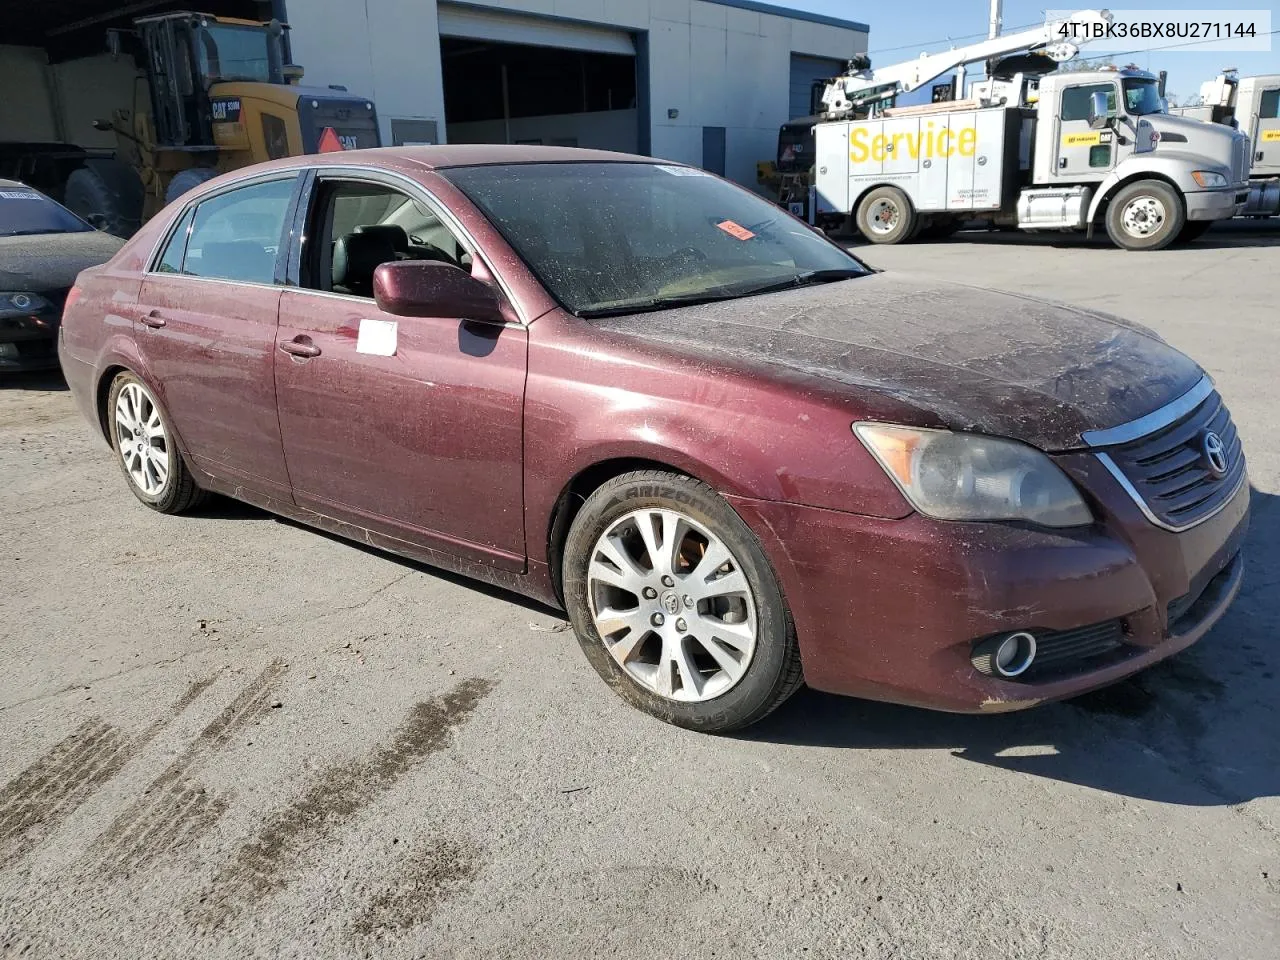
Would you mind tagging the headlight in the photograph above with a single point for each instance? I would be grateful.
(1207, 178)
(22, 304)
(968, 476)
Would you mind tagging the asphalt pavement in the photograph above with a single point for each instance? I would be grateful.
(226, 735)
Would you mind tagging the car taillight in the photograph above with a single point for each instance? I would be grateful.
(72, 296)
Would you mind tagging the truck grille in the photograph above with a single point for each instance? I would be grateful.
(1240, 159)
(1170, 471)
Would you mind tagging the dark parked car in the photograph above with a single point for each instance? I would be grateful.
(737, 456)
(43, 245)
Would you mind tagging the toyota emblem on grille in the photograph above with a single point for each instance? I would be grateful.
(1215, 454)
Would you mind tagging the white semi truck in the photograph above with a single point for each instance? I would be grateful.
(1252, 106)
(1064, 151)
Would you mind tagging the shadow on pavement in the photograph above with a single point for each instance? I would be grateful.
(1198, 729)
(1233, 234)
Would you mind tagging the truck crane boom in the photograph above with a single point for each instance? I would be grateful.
(862, 84)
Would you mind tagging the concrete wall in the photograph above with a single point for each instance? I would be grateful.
(710, 64)
(603, 130)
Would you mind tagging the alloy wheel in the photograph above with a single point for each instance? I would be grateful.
(672, 605)
(142, 440)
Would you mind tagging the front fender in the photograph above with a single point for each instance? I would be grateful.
(1173, 166)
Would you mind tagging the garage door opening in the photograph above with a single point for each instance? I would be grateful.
(497, 92)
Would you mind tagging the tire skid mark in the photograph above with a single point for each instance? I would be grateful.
(260, 867)
(175, 809)
(434, 875)
(41, 798)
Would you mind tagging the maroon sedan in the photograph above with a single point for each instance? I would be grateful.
(740, 459)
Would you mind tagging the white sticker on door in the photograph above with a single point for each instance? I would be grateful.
(377, 337)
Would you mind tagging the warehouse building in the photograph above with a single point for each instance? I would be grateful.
(706, 82)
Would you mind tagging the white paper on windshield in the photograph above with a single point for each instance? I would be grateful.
(377, 338)
(682, 171)
(18, 195)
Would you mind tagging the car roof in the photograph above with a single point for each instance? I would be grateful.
(475, 154)
(12, 183)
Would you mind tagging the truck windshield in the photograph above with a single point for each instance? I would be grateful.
(25, 212)
(230, 52)
(1142, 97)
(611, 238)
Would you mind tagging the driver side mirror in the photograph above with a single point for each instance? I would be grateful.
(1099, 111)
(426, 288)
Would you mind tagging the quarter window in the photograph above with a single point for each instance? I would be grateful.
(237, 235)
(171, 262)
(1075, 100)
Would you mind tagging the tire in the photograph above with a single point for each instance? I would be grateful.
(1146, 215)
(187, 179)
(108, 194)
(176, 490)
(885, 215)
(1193, 230)
(664, 631)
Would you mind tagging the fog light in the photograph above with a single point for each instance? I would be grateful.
(8, 351)
(1005, 656)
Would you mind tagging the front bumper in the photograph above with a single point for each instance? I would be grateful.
(28, 344)
(890, 609)
(1221, 204)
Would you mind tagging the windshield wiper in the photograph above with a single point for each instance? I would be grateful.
(721, 293)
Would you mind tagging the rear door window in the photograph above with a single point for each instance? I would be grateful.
(237, 235)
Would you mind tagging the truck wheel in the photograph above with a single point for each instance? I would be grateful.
(1147, 215)
(108, 194)
(187, 179)
(885, 215)
(1193, 230)
(675, 604)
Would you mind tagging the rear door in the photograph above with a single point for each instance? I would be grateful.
(419, 437)
(208, 311)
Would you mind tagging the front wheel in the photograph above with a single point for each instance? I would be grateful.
(675, 604)
(886, 215)
(144, 446)
(1147, 215)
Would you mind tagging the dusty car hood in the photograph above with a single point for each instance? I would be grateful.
(975, 359)
(51, 261)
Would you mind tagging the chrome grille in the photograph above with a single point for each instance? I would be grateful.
(1240, 159)
(1167, 470)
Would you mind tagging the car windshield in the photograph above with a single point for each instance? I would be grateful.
(24, 212)
(236, 53)
(1142, 97)
(626, 237)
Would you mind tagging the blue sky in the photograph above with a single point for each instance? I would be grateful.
(918, 25)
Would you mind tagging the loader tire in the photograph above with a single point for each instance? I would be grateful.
(108, 194)
(187, 179)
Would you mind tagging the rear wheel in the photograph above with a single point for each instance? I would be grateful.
(1147, 215)
(108, 194)
(885, 215)
(144, 446)
(675, 604)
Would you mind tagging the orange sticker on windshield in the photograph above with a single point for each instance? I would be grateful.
(736, 230)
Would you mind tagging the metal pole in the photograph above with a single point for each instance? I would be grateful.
(506, 107)
(994, 23)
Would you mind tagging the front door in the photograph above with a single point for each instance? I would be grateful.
(1084, 154)
(417, 435)
(1265, 136)
(208, 331)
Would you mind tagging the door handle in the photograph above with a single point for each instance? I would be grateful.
(300, 347)
(154, 320)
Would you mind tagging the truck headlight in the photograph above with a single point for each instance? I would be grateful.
(22, 304)
(970, 476)
(1207, 178)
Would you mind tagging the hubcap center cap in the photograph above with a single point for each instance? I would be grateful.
(670, 602)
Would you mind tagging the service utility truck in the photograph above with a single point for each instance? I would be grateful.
(1252, 106)
(1061, 151)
